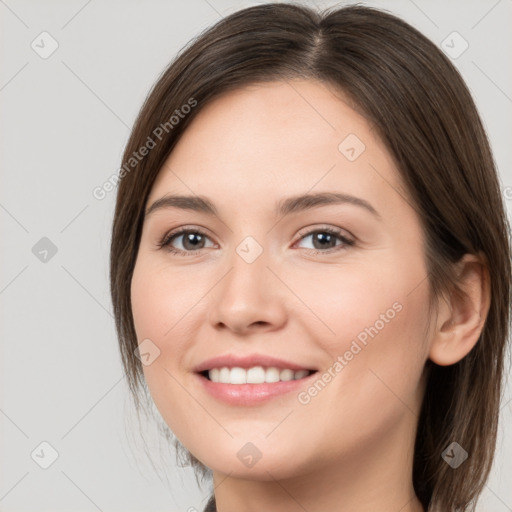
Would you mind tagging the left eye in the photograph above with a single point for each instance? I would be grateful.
(323, 240)
(193, 240)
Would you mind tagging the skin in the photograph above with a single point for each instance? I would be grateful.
(350, 447)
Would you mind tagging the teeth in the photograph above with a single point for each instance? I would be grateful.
(238, 376)
(254, 375)
(300, 374)
(288, 374)
(271, 374)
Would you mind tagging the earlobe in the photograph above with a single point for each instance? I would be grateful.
(463, 313)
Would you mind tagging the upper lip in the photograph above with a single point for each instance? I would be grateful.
(248, 361)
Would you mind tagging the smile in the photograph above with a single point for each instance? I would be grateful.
(254, 375)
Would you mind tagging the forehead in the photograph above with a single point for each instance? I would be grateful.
(291, 136)
(273, 116)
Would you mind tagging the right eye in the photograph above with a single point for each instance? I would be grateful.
(192, 241)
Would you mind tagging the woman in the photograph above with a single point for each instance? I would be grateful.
(310, 265)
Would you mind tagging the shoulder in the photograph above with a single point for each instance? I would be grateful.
(211, 505)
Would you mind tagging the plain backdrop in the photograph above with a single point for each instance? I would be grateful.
(68, 104)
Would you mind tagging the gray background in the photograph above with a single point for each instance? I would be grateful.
(65, 120)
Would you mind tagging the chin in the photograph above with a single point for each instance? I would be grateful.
(246, 461)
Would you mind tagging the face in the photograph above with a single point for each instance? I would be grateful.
(320, 303)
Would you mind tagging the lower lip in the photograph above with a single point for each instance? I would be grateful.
(251, 394)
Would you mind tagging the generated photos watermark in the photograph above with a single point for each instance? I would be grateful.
(357, 345)
(157, 135)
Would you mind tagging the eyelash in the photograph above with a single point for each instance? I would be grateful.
(166, 240)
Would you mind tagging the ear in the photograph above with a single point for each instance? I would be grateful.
(462, 315)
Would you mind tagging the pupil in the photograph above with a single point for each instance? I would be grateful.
(323, 237)
(189, 239)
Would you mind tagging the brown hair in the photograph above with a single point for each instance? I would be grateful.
(417, 101)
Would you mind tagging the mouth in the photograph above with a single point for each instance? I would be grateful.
(251, 379)
(254, 375)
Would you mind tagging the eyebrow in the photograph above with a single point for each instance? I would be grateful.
(283, 208)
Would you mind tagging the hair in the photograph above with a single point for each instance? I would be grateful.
(422, 110)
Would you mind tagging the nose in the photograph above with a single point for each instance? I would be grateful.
(249, 298)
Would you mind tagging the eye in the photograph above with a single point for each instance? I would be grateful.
(193, 240)
(324, 240)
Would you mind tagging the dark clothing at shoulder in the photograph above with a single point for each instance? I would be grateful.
(211, 505)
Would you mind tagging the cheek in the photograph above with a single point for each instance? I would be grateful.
(373, 333)
(161, 299)
(164, 302)
(372, 381)
(381, 299)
